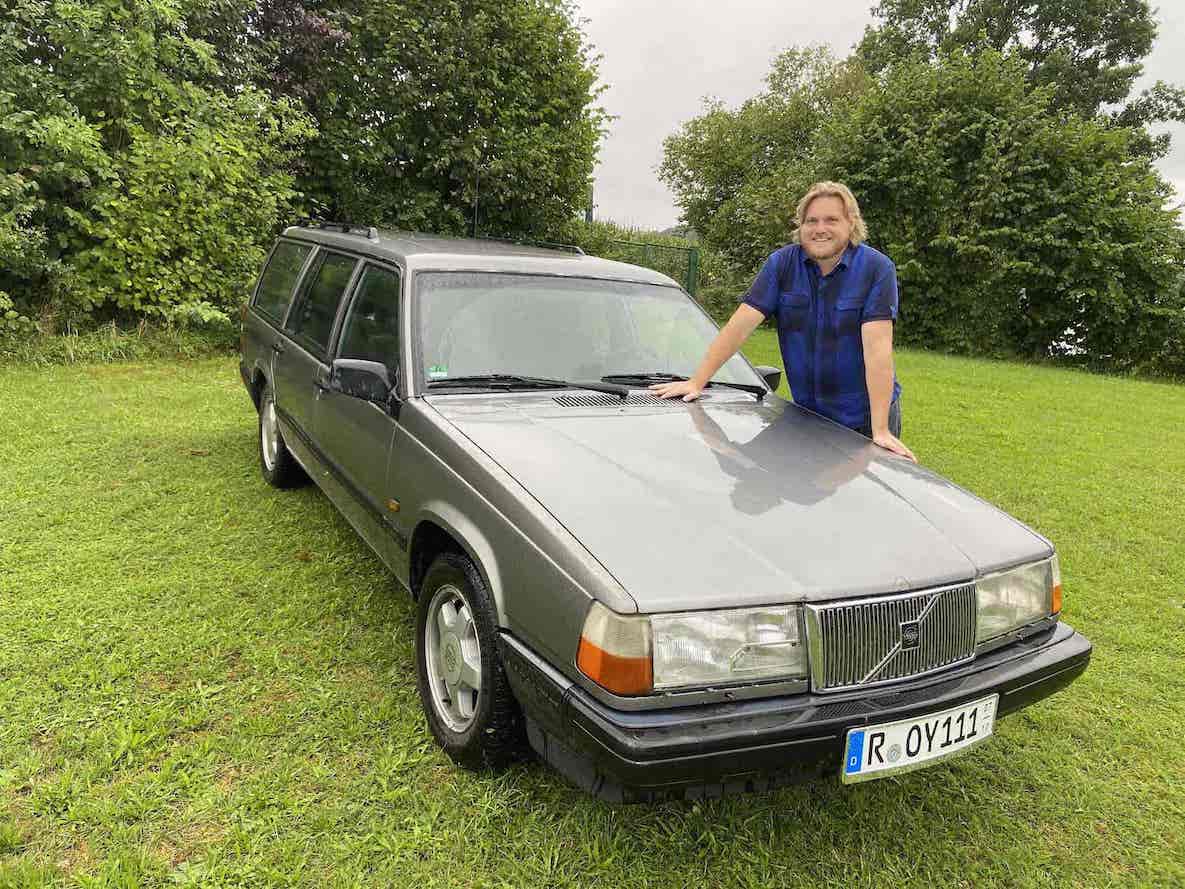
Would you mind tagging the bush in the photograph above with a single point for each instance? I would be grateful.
(182, 236)
(150, 149)
(46, 160)
(1015, 231)
(1170, 361)
(129, 183)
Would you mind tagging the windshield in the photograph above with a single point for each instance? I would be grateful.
(475, 323)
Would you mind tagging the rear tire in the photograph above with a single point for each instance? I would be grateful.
(279, 467)
(463, 688)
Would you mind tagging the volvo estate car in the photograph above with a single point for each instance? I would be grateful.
(663, 599)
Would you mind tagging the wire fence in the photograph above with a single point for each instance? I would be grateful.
(680, 263)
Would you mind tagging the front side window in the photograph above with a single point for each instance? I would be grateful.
(279, 278)
(371, 329)
(311, 319)
(474, 323)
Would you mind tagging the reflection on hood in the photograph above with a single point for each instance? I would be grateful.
(759, 486)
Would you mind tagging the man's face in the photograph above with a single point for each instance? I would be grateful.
(825, 229)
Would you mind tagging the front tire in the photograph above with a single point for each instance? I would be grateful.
(463, 687)
(279, 467)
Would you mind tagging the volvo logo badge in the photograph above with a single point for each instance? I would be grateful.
(910, 635)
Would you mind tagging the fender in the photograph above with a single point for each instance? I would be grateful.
(473, 541)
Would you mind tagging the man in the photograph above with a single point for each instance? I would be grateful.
(835, 300)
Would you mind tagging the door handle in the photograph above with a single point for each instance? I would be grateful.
(278, 347)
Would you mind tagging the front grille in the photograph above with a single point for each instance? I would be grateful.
(871, 641)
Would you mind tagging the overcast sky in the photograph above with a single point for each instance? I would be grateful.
(660, 59)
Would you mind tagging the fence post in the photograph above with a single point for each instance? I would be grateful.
(693, 271)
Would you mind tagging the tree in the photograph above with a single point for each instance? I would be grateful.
(1089, 52)
(1015, 230)
(425, 108)
(149, 149)
(277, 46)
(486, 103)
(734, 173)
(128, 181)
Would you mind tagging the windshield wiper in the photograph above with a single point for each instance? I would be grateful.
(639, 379)
(519, 381)
(653, 376)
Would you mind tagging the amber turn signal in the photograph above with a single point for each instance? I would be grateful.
(620, 675)
(615, 651)
(1057, 599)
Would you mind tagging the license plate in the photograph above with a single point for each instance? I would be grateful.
(894, 747)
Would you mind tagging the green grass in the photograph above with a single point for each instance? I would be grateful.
(204, 681)
(109, 342)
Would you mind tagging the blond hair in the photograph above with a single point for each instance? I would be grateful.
(834, 190)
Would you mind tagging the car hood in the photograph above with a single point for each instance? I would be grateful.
(727, 501)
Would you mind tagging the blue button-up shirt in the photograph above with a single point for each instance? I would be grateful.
(819, 318)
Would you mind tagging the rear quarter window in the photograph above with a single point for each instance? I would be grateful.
(279, 278)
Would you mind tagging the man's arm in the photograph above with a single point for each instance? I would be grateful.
(878, 376)
(730, 338)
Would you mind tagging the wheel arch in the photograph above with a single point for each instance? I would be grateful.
(258, 381)
(443, 528)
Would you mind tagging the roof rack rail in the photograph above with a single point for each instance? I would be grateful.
(527, 242)
(346, 228)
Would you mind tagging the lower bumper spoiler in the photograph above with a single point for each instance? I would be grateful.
(717, 749)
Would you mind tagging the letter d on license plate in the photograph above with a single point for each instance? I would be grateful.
(894, 747)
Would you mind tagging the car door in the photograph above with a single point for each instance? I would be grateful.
(358, 434)
(309, 325)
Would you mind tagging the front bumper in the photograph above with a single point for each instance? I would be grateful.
(715, 749)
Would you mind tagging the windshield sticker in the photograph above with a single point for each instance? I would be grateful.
(437, 372)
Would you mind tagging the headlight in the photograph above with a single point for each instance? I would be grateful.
(637, 654)
(1011, 599)
(719, 647)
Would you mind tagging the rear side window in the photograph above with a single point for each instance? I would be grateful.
(278, 279)
(371, 329)
(311, 319)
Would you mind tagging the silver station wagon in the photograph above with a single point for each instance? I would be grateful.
(662, 599)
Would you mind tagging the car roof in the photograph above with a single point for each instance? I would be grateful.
(418, 252)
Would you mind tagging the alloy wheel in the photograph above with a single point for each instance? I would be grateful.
(269, 433)
(453, 658)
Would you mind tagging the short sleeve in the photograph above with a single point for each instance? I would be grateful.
(763, 293)
(881, 303)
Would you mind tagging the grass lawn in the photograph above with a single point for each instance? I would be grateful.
(204, 681)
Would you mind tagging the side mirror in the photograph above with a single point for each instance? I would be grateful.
(771, 375)
(368, 380)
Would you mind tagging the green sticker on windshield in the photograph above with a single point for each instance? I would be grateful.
(437, 372)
